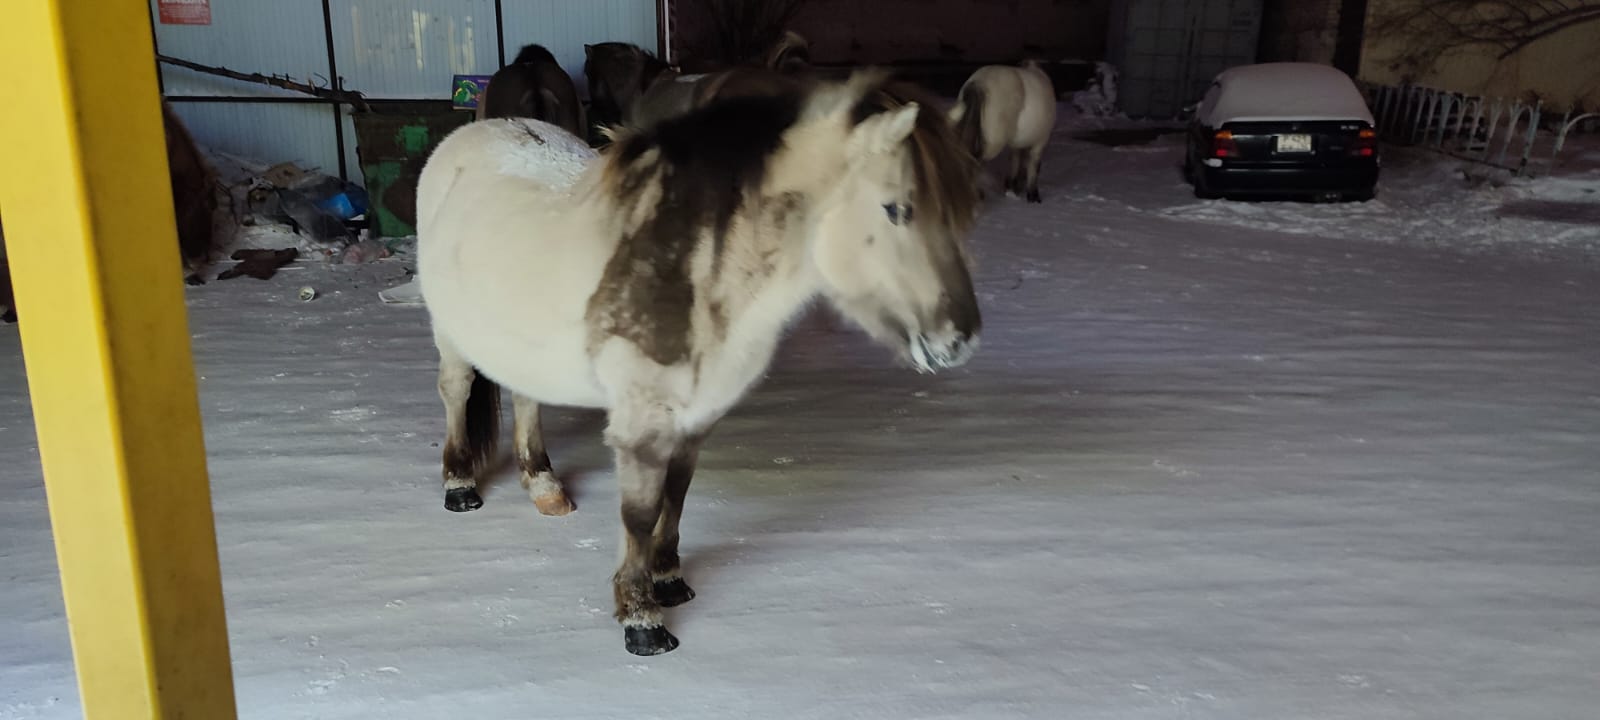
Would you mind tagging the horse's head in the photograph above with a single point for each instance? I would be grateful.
(890, 235)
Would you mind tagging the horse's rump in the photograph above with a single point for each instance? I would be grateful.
(523, 148)
(500, 254)
(194, 199)
(534, 86)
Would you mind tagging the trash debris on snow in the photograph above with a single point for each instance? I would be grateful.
(1099, 97)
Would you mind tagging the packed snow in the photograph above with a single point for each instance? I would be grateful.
(1214, 460)
(1282, 91)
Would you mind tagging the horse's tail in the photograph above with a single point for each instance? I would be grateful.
(969, 125)
(483, 420)
(534, 54)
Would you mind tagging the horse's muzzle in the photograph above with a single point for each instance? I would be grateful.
(930, 354)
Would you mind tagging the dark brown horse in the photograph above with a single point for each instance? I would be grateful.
(629, 86)
(194, 197)
(8, 305)
(534, 86)
(668, 99)
(194, 204)
(619, 74)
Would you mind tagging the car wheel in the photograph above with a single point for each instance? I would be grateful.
(1196, 178)
(1363, 195)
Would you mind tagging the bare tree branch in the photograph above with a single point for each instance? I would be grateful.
(1434, 28)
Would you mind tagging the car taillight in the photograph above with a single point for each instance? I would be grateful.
(1222, 144)
(1366, 143)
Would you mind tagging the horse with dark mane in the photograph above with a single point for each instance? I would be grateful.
(656, 279)
(618, 74)
(638, 90)
(534, 86)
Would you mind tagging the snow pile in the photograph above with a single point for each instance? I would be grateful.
(1273, 91)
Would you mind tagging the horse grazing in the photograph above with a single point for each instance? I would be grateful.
(618, 74)
(655, 280)
(1008, 108)
(534, 86)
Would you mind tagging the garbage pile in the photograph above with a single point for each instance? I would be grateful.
(327, 214)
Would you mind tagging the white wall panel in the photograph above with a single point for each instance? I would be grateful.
(276, 37)
(408, 49)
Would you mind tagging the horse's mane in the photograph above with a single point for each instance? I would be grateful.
(947, 175)
(709, 157)
(705, 160)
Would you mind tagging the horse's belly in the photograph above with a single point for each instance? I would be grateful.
(1038, 117)
(552, 375)
(553, 368)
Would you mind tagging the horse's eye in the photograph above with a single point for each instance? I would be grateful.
(897, 213)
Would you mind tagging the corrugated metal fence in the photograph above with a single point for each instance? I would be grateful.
(387, 49)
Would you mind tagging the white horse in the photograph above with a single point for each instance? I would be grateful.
(655, 280)
(1008, 108)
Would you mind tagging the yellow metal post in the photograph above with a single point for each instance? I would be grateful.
(88, 217)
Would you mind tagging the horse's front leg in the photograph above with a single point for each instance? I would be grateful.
(669, 587)
(642, 460)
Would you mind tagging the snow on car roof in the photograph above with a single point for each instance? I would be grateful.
(1283, 91)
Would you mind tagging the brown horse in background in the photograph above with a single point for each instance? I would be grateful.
(194, 204)
(8, 304)
(619, 74)
(194, 197)
(630, 86)
(669, 99)
(534, 86)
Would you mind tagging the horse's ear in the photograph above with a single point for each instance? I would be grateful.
(884, 131)
(588, 50)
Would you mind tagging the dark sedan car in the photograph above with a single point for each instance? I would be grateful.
(1283, 129)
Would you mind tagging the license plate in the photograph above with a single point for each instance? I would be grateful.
(1293, 144)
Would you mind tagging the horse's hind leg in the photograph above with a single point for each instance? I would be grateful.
(534, 463)
(1034, 161)
(1017, 180)
(472, 419)
(669, 588)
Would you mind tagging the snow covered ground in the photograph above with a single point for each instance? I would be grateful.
(1215, 460)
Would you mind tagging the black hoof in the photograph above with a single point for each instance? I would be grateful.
(672, 593)
(194, 280)
(1033, 197)
(649, 641)
(462, 500)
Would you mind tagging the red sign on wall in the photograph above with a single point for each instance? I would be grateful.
(185, 12)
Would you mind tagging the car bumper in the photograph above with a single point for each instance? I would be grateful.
(1290, 181)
